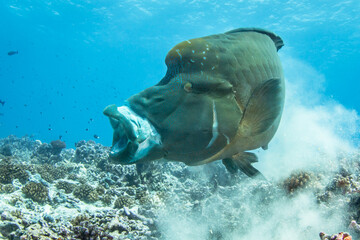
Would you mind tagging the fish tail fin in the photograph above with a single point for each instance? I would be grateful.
(242, 161)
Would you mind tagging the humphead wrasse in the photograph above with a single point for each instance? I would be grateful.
(221, 96)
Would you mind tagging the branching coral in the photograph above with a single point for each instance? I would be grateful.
(67, 186)
(297, 181)
(123, 201)
(10, 171)
(36, 191)
(86, 193)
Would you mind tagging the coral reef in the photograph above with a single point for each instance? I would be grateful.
(86, 192)
(19, 147)
(57, 146)
(5, 150)
(7, 188)
(51, 173)
(90, 152)
(43, 153)
(79, 194)
(36, 191)
(124, 201)
(297, 181)
(107, 199)
(339, 236)
(10, 171)
(68, 187)
(48, 153)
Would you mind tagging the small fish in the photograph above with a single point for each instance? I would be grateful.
(13, 53)
(1, 114)
(2, 102)
(96, 136)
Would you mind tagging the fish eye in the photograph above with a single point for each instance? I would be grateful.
(188, 87)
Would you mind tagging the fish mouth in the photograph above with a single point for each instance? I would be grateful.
(134, 137)
(123, 150)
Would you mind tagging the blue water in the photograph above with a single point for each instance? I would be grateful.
(75, 57)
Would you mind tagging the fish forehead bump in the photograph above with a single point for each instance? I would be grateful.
(196, 56)
(188, 48)
(216, 52)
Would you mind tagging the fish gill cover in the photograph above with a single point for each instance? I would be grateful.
(312, 164)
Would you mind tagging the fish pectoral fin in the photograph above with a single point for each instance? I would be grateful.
(263, 107)
(243, 162)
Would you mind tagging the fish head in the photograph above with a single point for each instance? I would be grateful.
(183, 121)
(193, 108)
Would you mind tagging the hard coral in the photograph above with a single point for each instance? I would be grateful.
(90, 152)
(51, 173)
(142, 196)
(91, 231)
(342, 184)
(7, 188)
(6, 150)
(297, 181)
(49, 153)
(14, 146)
(36, 191)
(67, 186)
(123, 201)
(84, 228)
(339, 236)
(10, 171)
(86, 193)
(107, 199)
(43, 153)
(57, 146)
(354, 225)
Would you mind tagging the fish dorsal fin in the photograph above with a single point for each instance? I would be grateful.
(263, 107)
(276, 39)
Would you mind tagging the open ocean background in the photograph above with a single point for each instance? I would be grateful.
(77, 56)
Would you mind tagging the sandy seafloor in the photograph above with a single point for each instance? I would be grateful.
(53, 193)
